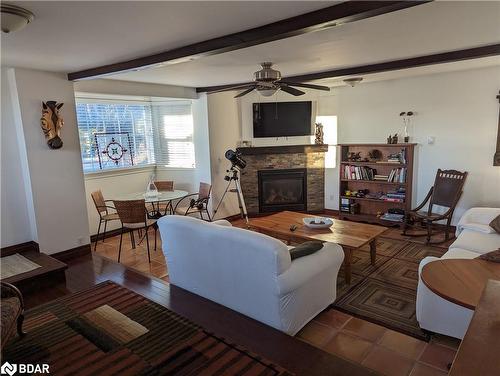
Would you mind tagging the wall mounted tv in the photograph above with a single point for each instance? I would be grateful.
(282, 119)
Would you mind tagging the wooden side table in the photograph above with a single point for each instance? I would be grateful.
(460, 281)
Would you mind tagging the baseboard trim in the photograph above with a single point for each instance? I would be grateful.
(109, 234)
(72, 253)
(20, 248)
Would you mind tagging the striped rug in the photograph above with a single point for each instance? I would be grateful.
(110, 330)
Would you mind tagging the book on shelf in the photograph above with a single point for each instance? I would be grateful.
(358, 172)
(397, 175)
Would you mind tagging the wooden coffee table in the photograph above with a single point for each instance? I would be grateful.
(460, 281)
(350, 235)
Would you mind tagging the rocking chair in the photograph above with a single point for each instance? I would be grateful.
(446, 193)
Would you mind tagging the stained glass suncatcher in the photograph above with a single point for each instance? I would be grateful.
(114, 149)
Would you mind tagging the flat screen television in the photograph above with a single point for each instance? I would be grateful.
(282, 119)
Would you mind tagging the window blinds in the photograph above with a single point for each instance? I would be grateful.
(174, 142)
(155, 132)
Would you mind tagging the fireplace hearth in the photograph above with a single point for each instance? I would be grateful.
(282, 189)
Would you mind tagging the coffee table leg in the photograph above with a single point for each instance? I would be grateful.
(347, 264)
(373, 250)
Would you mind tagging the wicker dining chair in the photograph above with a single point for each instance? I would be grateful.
(164, 186)
(104, 214)
(198, 205)
(134, 216)
(446, 191)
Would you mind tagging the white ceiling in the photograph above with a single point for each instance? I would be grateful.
(74, 35)
(69, 36)
(425, 29)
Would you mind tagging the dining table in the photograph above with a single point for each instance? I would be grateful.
(154, 200)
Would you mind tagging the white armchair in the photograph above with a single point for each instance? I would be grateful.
(474, 237)
(250, 272)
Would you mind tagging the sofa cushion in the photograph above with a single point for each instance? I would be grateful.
(305, 249)
(495, 224)
(477, 241)
(493, 256)
(458, 253)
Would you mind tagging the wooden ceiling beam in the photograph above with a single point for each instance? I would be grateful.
(321, 19)
(413, 62)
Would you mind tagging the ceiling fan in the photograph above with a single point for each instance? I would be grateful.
(267, 81)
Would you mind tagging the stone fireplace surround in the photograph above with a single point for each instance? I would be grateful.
(310, 157)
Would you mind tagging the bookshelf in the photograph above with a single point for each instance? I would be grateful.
(379, 195)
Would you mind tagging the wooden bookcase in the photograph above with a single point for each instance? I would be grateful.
(369, 208)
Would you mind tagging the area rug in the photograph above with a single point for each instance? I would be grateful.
(110, 330)
(385, 293)
(16, 264)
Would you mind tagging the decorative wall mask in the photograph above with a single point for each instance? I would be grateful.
(51, 123)
(319, 134)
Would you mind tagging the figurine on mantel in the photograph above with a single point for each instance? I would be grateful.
(392, 139)
(319, 134)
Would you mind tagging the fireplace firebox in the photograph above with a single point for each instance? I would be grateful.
(284, 189)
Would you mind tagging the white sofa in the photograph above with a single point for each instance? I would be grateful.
(249, 272)
(474, 237)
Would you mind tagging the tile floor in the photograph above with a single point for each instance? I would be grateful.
(386, 351)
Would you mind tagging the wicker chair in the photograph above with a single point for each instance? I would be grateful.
(163, 207)
(104, 214)
(198, 205)
(134, 216)
(447, 189)
(12, 312)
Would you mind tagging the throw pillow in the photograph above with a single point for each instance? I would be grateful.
(493, 256)
(305, 249)
(495, 224)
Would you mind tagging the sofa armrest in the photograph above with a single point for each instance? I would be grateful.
(477, 219)
(223, 222)
(305, 268)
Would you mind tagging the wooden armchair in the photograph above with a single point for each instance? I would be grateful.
(12, 312)
(198, 205)
(445, 193)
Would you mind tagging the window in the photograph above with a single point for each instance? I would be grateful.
(174, 124)
(124, 133)
(329, 138)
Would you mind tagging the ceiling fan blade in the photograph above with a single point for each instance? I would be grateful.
(309, 86)
(291, 90)
(245, 92)
(237, 87)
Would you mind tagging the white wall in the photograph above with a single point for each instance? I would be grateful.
(15, 217)
(458, 108)
(225, 131)
(56, 176)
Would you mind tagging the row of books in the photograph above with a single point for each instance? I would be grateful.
(397, 175)
(359, 172)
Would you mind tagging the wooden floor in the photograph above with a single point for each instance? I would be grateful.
(297, 356)
(360, 341)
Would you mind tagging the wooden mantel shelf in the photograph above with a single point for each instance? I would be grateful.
(284, 149)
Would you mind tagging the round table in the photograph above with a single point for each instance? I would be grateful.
(460, 281)
(163, 196)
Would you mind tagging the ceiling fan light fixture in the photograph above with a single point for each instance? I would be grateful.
(353, 81)
(267, 92)
(14, 18)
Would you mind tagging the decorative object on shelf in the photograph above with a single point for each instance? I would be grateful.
(354, 157)
(406, 115)
(113, 148)
(51, 123)
(14, 17)
(375, 155)
(354, 208)
(319, 134)
(395, 139)
(389, 140)
(353, 81)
